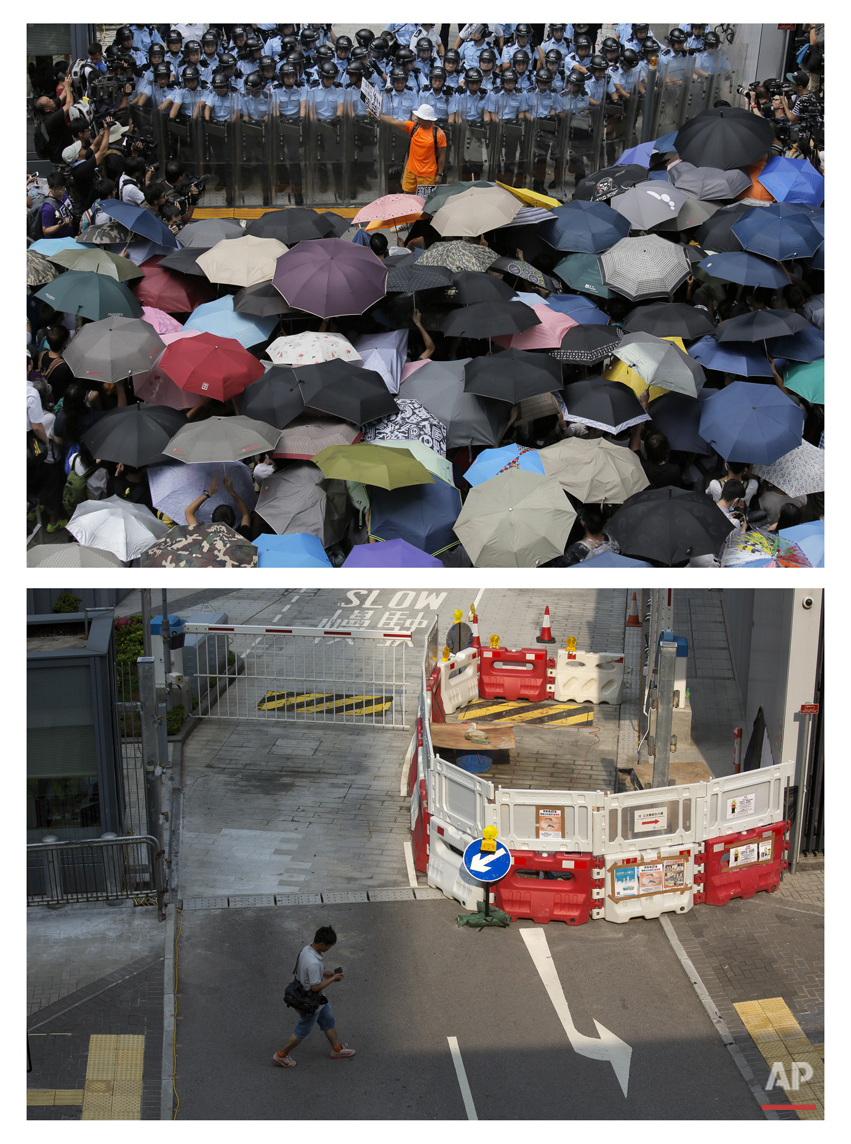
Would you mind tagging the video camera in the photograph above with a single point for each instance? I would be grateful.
(142, 145)
(183, 195)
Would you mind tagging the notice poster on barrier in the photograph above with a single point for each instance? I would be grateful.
(675, 874)
(625, 882)
(549, 822)
(741, 806)
(743, 855)
(650, 877)
(653, 819)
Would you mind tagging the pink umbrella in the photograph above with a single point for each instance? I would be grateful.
(389, 208)
(154, 387)
(162, 322)
(554, 325)
(412, 367)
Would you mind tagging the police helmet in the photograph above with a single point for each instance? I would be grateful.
(324, 52)
(543, 75)
(239, 33)
(356, 67)
(520, 57)
(437, 72)
(711, 39)
(487, 56)
(598, 63)
(124, 33)
(583, 42)
(610, 44)
(523, 30)
(162, 71)
(191, 71)
(553, 56)
(693, 26)
(473, 75)
(398, 73)
(220, 79)
(254, 44)
(287, 69)
(629, 58)
(254, 81)
(364, 37)
(192, 46)
(379, 45)
(650, 47)
(451, 56)
(289, 44)
(210, 40)
(557, 27)
(328, 69)
(424, 44)
(266, 62)
(227, 60)
(309, 36)
(360, 53)
(510, 74)
(156, 50)
(636, 28)
(405, 54)
(296, 58)
(576, 77)
(174, 37)
(677, 36)
(344, 43)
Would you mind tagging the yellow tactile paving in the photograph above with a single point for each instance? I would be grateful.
(40, 1096)
(68, 1096)
(51, 1097)
(781, 1040)
(114, 1077)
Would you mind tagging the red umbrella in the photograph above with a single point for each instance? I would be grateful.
(170, 290)
(210, 366)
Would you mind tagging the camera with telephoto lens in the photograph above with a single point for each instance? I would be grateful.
(752, 87)
(143, 145)
(184, 196)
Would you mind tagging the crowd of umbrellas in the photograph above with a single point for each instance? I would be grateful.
(282, 339)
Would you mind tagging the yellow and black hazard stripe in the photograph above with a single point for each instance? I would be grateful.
(546, 713)
(324, 703)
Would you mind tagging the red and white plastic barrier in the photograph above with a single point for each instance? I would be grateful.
(589, 677)
(524, 674)
(459, 679)
(546, 887)
(739, 865)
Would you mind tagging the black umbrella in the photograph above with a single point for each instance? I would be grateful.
(262, 300)
(289, 226)
(413, 278)
(669, 525)
(134, 435)
(337, 225)
(346, 391)
(473, 286)
(209, 231)
(607, 405)
(587, 343)
(184, 260)
(489, 319)
(610, 181)
(512, 375)
(759, 325)
(716, 235)
(275, 398)
(724, 137)
(669, 320)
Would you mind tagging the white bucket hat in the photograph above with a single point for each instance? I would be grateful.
(426, 111)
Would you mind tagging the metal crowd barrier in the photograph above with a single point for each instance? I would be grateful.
(95, 870)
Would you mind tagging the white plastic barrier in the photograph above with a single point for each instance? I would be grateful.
(593, 677)
(459, 798)
(459, 679)
(745, 801)
(639, 819)
(646, 883)
(532, 819)
(446, 869)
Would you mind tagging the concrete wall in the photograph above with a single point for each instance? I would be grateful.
(40, 601)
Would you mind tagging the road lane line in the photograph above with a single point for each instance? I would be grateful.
(463, 1083)
(476, 601)
(409, 862)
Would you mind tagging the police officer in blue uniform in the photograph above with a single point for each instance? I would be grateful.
(557, 41)
(209, 51)
(553, 60)
(256, 107)
(289, 100)
(504, 108)
(363, 131)
(221, 110)
(438, 95)
(520, 61)
(574, 106)
(674, 60)
(187, 105)
(626, 74)
(542, 108)
(522, 39)
(174, 50)
(399, 101)
(325, 108)
(467, 109)
(490, 74)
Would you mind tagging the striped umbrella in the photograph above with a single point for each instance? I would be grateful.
(644, 267)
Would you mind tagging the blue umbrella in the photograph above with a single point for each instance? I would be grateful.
(751, 422)
(746, 269)
(612, 559)
(584, 226)
(578, 307)
(665, 142)
(806, 345)
(810, 538)
(640, 154)
(730, 357)
(390, 554)
(817, 260)
(219, 317)
(493, 461)
(779, 236)
(678, 417)
(290, 550)
(48, 246)
(140, 221)
(792, 181)
(424, 515)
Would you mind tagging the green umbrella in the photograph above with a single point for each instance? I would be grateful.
(582, 272)
(807, 380)
(437, 198)
(660, 362)
(515, 520)
(90, 295)
(372, 465)
(426, 456)
(99, 262)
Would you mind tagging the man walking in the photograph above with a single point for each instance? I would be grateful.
(311, 972)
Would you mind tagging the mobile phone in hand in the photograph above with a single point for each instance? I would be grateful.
(338, 970)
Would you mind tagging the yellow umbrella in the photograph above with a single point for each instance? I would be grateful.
(620, 371)
(382, 224)
(531, 198)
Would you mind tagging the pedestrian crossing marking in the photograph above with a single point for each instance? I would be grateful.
(324, 702)
(545, 713)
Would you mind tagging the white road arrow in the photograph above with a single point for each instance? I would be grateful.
(481, 865)
(607, 1047)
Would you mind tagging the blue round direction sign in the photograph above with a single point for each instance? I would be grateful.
(488, 865)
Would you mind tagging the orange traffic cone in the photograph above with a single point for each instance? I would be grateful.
(546, 635)
(632, 619)
(476, 642)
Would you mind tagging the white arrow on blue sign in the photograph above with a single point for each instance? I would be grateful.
(489, 866)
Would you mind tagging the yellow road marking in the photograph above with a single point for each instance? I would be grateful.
(781, 1040)
(519, 711)
(526, 716)
(320, 702)
(114, 1077)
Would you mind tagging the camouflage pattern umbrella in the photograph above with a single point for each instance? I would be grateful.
(458, 255)
(40, 270)
(107, 233)
(201, 546)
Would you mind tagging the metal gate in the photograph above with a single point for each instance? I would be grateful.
(312, 675)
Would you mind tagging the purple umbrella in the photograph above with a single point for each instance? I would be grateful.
(389, 554)
(330, 278)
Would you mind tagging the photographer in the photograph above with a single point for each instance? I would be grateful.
(182, 191)
(132, 183)
(806, 104)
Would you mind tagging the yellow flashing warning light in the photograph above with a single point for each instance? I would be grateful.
(445, 654)
(457, 616)
(494, 641)
(489, 838)
(571, 643)
(471, 616)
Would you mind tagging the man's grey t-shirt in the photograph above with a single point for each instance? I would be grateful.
(310, 967)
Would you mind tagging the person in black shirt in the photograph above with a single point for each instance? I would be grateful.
(659, 471)
(53, 115)
(223, 513)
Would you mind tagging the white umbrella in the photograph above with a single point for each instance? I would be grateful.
(117, 526)
(310, 348)
(242, 261)
(797, 473)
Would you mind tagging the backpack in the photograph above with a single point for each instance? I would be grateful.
(75, 491)
(41, 140)
(34, 228)
(90, 215)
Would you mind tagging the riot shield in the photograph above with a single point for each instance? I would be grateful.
(324, 169)
(289, 138)
(220, 160)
